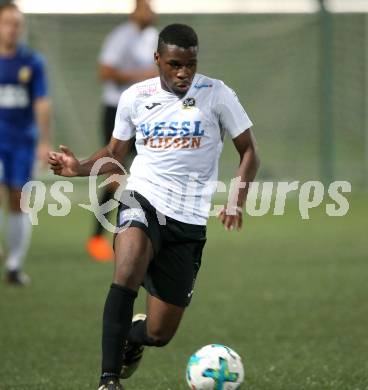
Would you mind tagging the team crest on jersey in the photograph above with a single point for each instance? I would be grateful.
(25, 74)
(189, 103)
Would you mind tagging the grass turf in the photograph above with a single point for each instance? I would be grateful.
(290, 296)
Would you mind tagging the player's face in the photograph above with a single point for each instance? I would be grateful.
(177, 67)
(11, 26)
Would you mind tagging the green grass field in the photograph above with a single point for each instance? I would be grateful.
(290, 296)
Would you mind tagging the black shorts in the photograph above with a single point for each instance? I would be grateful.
(108, 124)
(177, 249)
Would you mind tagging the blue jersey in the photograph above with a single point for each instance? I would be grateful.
(22, 80)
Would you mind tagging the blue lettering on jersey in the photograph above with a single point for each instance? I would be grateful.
(172, 129)
(198, 132)
(185, 129)
(199, 86)
(172, 135)
(22, 81)
(158, 132)
(145, 129)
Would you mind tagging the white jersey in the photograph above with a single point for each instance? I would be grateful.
(179, 142)
(127, 48)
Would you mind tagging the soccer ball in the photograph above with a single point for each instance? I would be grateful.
(215, 367)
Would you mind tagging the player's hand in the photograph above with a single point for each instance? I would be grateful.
(64, 163)
(231, 221)
(43, 150)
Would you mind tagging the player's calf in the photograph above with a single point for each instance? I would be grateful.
(159, 339)
(141, 333)
(137, 339)
(133, 351)
(132, 259)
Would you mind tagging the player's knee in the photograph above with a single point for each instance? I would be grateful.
(15, 208)
(127, 279)
(159, 339)
(128, 273)
(14, 201)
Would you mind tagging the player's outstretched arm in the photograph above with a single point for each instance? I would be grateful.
(64, 163)
(42, 108)
(245, 144)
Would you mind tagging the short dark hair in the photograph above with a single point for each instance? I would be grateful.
(8, 5)
(177, 34)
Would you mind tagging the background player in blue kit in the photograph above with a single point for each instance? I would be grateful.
(24, 109)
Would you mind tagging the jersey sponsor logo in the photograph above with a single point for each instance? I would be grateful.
(189, 103)
(153, 105)
(13, 96)
(172, 129)
(172, 135)
(25, 74)
(173, 142)
(199, 86)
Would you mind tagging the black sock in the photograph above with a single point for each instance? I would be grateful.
(117, 319)
(138, 334)
(106, 196)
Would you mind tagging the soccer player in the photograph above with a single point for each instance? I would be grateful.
(179, 121)
(23, 103)
(126, 58)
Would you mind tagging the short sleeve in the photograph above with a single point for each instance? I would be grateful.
(39, 78)
(232, 115)
(124, 128)
(113, 49)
